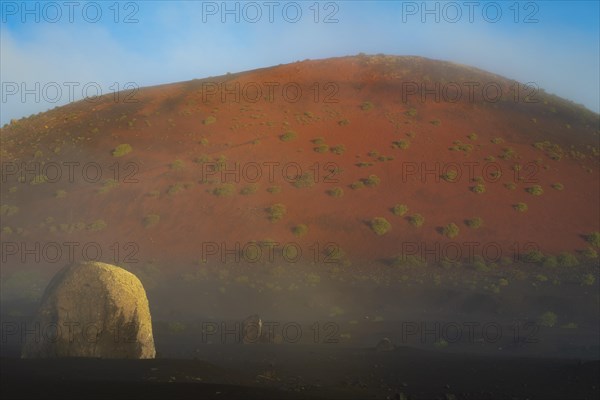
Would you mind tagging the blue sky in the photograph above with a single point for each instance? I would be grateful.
(554, 44)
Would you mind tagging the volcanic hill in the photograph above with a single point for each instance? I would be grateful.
(315, 153)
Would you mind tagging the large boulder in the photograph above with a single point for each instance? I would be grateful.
(92, 309)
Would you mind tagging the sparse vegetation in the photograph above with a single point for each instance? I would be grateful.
(249, 189)
(435, 122)
(322, 148)
(97, 225)
(335, 192)
(567, 260)
(479, 188)
(380, 225)
(108, 185)
(276, 212)
(177, 165)
(417, 220)
(225, 189)
(305, 180)
(401, 144)
(343, 122)
(318, 140)
(211, 119)
(510, 186)
(497, 140)
(372, 180)
(338, 149)
(150, 220)
(411, 112)
(366, 106)
(400, 209)
(357, 185)
(274, 189)
(521, 207)
(594, 239)
(8, 210)
(558, 186)
(288, 136)
(60, 194)
(451, 230)
(450, 175)
(121, 150)
(474, 222)
(535, 190)
(472, 136)
(547, 319)
(300, 230)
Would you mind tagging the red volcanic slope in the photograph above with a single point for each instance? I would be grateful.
(369, 105)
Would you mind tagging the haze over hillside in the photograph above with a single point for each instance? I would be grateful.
(350, 161)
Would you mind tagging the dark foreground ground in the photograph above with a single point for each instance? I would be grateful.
(304, 372)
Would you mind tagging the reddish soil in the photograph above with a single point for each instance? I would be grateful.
(165, 124)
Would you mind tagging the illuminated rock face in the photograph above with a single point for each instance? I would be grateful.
(92, 309)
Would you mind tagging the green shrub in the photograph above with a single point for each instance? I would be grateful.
(558, 186)
(451, 230)
(474, 222)
(510, 186)
(497, 140)
(38, 179)
(225, 189)
(479, 188)
(209, 120)
(535, 190)
(364, 164)
(594, 239)
(318, 140)
(177, 165)
(150, 220)
(60, 194)
(203, 141)
(97, 225)
(450, 175)
(547, 319)
(121, 150)
(567, 260)
(274, 189)
(380, 225)
(175, 188)
(338, 149)
(357, 185)
(372, 180)
(435, 122)
(7, 210)
(472, 136)
(534, 256)
(276, 212)
(108, 185)
(249, 189)
(335, 192)
(411, 112)
(203, 158)
(343, 122)
(304, 181)
(300, 230)
(400, 209)
(322, 148)
(588, 280)
(288, 136)
(417, 220)
(401, 144)
(550, 262)
(521, 207)
(366, 106)
(589, 253)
